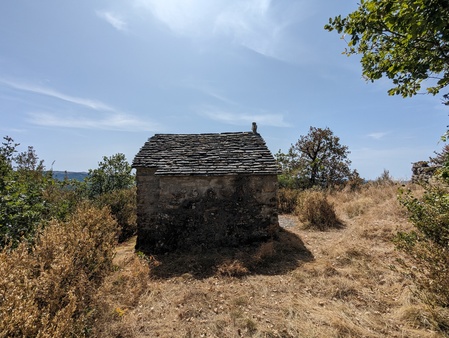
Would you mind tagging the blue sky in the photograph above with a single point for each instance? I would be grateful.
(84, 79)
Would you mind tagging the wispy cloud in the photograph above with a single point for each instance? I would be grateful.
(113, 19)
(118, 122)
(42, 90)
(251, 24)
(377, 135)
(106, 117)
(14, 130)
(254, 24)
(274, 120)
(208, 89)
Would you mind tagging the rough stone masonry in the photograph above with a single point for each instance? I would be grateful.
(198, 191)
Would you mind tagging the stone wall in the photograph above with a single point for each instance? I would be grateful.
(185, 212)
(422, 172)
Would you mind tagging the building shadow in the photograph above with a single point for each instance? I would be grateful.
(278, 255)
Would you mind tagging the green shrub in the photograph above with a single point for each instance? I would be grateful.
(315, 211)
(428, 243)
(62, 198)
(22, 181)
(113, 173)
(48, 290)
(122, 204)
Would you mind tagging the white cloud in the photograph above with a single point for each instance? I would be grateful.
(254, 24)
(106, 117)
(184, 17)
(114, 121)
(41, 90)
(209, 90)
(115, 20)
(251, 25)
(14, 130)
(377, 135)
(274, 120)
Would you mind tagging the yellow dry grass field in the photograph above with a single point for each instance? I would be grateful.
(344, 282)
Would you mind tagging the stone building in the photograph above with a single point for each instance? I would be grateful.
(204, 190)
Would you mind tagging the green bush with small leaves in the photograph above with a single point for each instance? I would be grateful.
(428, 243)
(122, 204)
(23, 181)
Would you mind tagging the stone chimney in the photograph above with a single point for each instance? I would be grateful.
(254, 128)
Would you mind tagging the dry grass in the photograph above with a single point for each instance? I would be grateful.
(340, 283)
(49, 290)
(316, 212)
(343, 282)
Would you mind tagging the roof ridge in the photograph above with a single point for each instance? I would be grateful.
(221, 133)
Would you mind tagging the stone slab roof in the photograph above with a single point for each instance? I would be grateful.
(207, 154)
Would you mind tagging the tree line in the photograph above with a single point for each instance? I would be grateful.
(30, 196)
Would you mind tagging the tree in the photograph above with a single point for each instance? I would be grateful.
(405, 40)
(112, 185)
(317, 159)
(23, 181)
(113, 173)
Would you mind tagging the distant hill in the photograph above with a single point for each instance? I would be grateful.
(71, 175)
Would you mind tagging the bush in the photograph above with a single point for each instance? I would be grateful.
(315, 211)
(123, 208)
(22, 206)
(384, 179)
(62, 198)
(287, 200)
(355, 182)
(47, 290)
(428, 243)
(113, 173)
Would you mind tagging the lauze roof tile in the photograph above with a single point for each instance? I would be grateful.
(207, 154)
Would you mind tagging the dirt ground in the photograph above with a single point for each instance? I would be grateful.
(339, 283)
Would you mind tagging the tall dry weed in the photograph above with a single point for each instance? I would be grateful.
(47, 290)
(370, 201)
(118, 295)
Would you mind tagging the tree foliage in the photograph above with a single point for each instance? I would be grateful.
(30, 197)
(316, 159)
(113, 173)
(112, 185)
(406, 41)
(123, 207)
(440, 157)
(428, 242)
(22, 183)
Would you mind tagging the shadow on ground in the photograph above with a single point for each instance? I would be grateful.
(279, 255)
